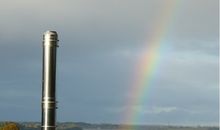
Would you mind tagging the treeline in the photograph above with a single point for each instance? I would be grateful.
(88, 126)
(34, 126)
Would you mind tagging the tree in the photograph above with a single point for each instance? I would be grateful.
(10, 126)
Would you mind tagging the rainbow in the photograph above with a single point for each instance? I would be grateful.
(147, 64)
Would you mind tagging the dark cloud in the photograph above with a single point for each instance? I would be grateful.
(100, 42)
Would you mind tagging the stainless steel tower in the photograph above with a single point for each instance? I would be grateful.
(48, 121)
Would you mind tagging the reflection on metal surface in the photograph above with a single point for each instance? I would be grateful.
(48, 121)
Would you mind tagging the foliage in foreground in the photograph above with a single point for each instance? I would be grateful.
(9, 126)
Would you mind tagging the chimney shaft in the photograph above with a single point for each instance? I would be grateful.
(48, 121)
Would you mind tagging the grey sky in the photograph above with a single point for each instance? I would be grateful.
(100, 42)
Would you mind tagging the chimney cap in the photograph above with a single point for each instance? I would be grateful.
(49, 37)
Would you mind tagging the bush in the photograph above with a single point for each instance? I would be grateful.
(10, 126)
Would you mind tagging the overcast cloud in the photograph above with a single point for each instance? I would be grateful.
(100, 43)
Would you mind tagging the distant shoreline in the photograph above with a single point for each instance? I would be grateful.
(107, 125)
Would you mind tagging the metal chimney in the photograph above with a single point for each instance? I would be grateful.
(48, 121)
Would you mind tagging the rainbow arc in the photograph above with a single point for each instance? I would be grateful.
(148, 64)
